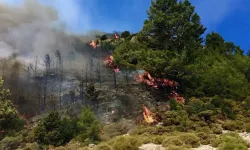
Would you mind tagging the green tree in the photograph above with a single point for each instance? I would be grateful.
(125, 34)
(89, 126)
(104, 37)
(9, 120)
(172, 25)
(217, 43)
(91, 93)
(52, 130)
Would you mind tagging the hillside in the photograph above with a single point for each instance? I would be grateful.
(164, 87)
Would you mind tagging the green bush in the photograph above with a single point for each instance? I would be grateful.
(156, 130)
(232, 141)
(206, 116)
(119, 128)
(31, 146)
(248, 128)
(9, 119)
(190, 139)
(125, 143)
(103, 146)
(89, 127)
(172, 140)
(232, 125)
(11, 143)
(195, 106)
(52, 130)
(187, 140)
(216, 129)
(204, 138)
(215, 141)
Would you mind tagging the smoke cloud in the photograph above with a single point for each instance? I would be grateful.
(31, 29)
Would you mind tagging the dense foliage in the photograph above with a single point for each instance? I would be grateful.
(170, 45)
(10, 122)
(89, 127)
(52, 130)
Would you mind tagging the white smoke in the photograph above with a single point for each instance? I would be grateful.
(28, 29)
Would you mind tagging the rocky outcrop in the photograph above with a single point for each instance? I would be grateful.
(151, 146)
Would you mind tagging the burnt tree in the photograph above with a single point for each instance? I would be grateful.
(47, 62)
(59, 68)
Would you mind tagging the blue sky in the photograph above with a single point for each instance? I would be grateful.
(228, 17)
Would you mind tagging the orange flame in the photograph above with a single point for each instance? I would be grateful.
(177, 97)
(148, 115)
(109, 61)
(158, 82)
(116, 36)
(93, 44)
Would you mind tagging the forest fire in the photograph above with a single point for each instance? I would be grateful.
(148, 116)
(93, 44)
(160, 83)
(109, 61)
(155, 82)
(177, 97)
(116, 36)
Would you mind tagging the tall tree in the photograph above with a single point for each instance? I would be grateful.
(217, 43)
(47, 62)
(125, 34)
(59, 68)
(172, 25)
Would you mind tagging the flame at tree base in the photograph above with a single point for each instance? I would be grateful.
(148, 116)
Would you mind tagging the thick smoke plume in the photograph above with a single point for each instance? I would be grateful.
(31, 29)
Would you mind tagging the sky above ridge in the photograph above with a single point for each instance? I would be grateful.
(228, 17)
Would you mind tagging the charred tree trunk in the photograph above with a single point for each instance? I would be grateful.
(99, 73)
(59, 71)
(114, 73)
(86, 77)
(82, 87)
(3, 67)
(127, 76)
(47, 64)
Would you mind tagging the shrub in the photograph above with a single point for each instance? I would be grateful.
(206, 116)
(195, 106)
(232, 125)
(232, 141)
(125, 34)
(89, 126)
(156, 130)
(204, 138)
(216, 129)
(72, 145)
(31, 146)
(215, 141)
(52, 130)
(91, 93)
(172, 140)
(104, 37)
(172, 147)
(190, 139)
(248, 128)
(103, 146)
(10, 143)
(125, 143)
(174, 105)
(158, 139)
(9, 120)
(183, 139)
(119, 128)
